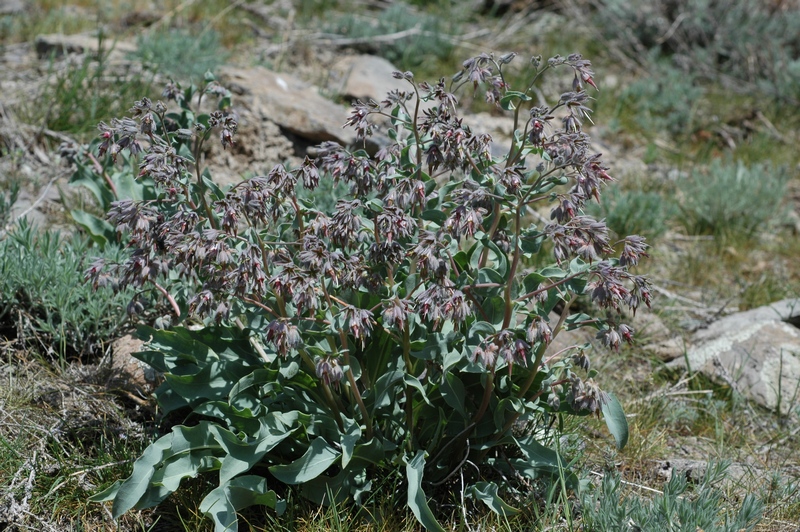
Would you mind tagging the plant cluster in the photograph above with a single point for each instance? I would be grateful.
(732, 199)
(667, 101)
(181, 54)
(7, 200)
(399, 331)
(43, 295)
(635, 211)
(78, 95)
(744, 44)
(673, 509)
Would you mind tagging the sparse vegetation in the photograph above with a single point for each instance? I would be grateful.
(44, 300)
(180, 54)
(426, 38)
(731, 200)
(83, 91)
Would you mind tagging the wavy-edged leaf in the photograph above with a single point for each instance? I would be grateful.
(222, 503)
(107, 494)
(453, 393)
(135, 486)
(243, 455)
(417, 500)
(100, 231)
(349, 439)
(486, 492)
(318, 458)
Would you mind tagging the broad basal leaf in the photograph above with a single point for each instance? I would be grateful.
(319, 457)
(222, 503)
(417, 500)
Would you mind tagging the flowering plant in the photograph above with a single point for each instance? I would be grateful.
(405, 329)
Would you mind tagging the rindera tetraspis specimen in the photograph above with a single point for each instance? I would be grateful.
(400, 332)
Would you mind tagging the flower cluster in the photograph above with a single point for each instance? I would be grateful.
(428, 245)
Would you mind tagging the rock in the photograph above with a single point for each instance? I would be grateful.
(132, 372)
(365, 77)
(11, 7)
(666, 350)
(756, 352)
(289, 102)
(736, 474)
(655, 338)
(260, 145)
(368, 77)
(58, 45)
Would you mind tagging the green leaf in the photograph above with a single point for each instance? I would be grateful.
(507, 101)
(211, 185)
(135, 486)
(222, 503)
(539, 459)
(417, 500)
(436, 216)
(107, 494)
(532, 281)
(486, 492)
(89, 179)
(412, 381)
(453, 393)
(553, 272)
(349, 439)
(615, 420)
(537, 455)
(129, 188)
(319, 457)
(179, 467)
(531, 242)
(488, 275)
(480, 330)
(383, 389)
(243, 455)
(433, 348)
(99, 230)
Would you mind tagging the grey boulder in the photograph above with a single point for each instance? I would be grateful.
(756, 352)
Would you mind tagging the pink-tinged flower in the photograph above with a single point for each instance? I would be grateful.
(486, 355)
(329, 370)
(626, 333)
(284, 336)
(610, 338)
(395, 313)
(539, 331)
(359, 321)
(634, 248)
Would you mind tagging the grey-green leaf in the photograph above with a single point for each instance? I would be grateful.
(319, 457)
(222, 503)
(486, 492)
(99, 230)
(615, 420)
(417, 500)
(136, 485)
